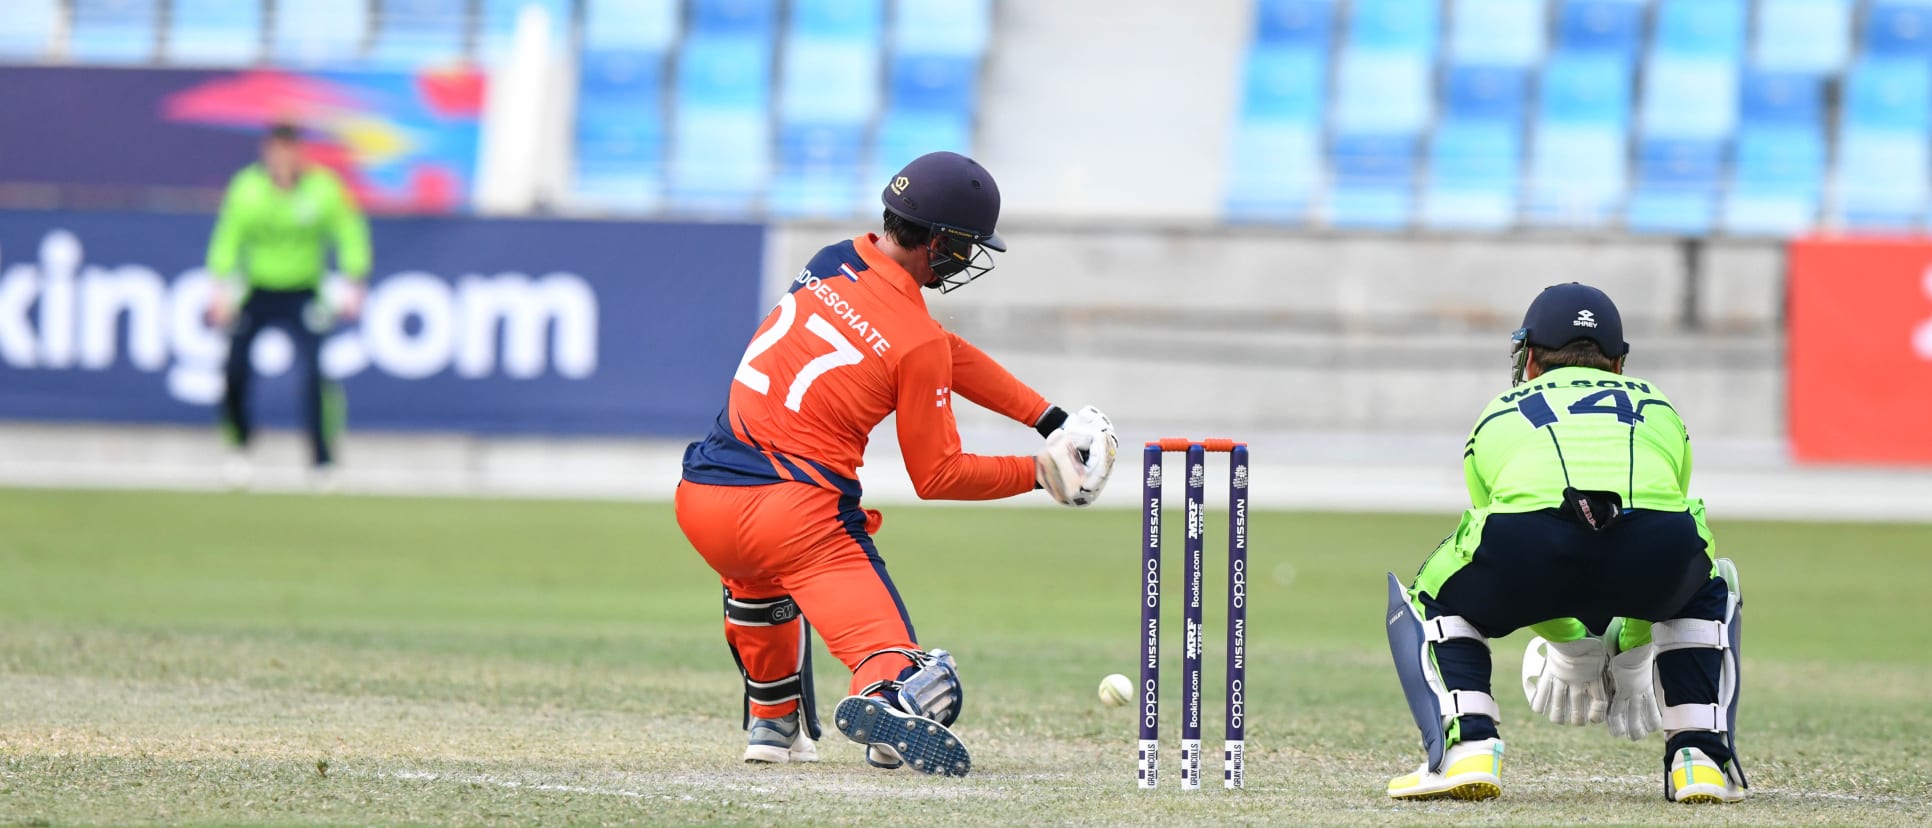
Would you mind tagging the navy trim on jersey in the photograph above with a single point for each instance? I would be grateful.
(829, 262)
(721, 459)
(1479, 426)
(854, 520)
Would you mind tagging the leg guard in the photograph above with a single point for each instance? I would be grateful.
(776, 612)
(929, 688)
(1726, 637)
(1431, 702)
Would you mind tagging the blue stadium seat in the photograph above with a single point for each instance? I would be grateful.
(1782, 98)
(1776, 181)
(829, 81)
(631, 25)
(1273, 171)
(935, 83)
(739, 18)
(1889, 93)
(1812, 36)
(1475, 173)
(620, 162)
(1407, 26)
(1498, 32)
(1382, 93)
(215, 32)
(112, 31)
(1578, 174)
(1586, 89)
(1714, 28)
(1676, 187)
(1284, 83)
(1374, 181)
(1299, 23)
(1612, 27)
(497, 26)
(904, 136)
(1689, 97)
(948, 27)
(1899, 28)
(621, 82)
(819, 170)
(413, 33)
(1486, 93)
(862, 20)
(27, 29)
(724, 72)
(1881, 179)
(312, 32)
(721, 159)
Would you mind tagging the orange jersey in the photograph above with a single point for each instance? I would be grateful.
(850, 343)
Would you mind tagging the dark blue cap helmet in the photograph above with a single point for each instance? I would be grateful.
(1565, 313)
(949, 193)
(955, 198)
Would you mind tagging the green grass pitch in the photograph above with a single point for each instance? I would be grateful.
(296, 660)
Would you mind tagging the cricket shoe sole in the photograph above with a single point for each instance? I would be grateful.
(925, 745)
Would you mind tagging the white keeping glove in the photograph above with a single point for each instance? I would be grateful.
(1078, 458)
(1569, 688)
(1633, 700)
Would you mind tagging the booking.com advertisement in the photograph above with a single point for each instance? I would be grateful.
(487, 326)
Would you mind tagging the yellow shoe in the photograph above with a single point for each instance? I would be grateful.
(1471, 770)
(1694, 778)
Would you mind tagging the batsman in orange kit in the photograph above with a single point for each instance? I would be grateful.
(770, 498)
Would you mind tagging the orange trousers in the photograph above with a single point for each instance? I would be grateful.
(815, 545)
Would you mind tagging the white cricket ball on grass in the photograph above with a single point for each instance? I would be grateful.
(1116, 690)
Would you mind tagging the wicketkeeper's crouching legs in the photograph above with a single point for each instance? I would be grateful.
(1697, 679)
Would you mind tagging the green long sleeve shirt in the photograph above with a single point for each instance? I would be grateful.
(278, 239)
(1581, 427)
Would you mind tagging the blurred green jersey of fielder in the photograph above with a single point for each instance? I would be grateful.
(278, 238)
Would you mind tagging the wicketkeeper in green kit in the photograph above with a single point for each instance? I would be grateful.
(1580, 528)
(268, 258)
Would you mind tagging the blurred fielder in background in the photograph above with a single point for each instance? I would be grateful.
(268, 258)
(771, 497)
(1580, 529)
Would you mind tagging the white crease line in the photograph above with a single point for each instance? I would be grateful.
(551, 787)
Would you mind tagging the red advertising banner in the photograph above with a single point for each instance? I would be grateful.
(1860, 362)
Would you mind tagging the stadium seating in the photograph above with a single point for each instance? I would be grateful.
(828, 94)
(27, 29)
(1778, 169)
(1898, 28)
(411, 33)
(721, 128)
(1602, 27)
(1295, 23)
(1475, 154)
(1686, 117)
(497, 22)
(214, 32)
(318, 32)
(1274, 163)
(1498, 33)
(1809, 36)
(1578, 156)
(932, 101)
(1881, 176)
(113, 31)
